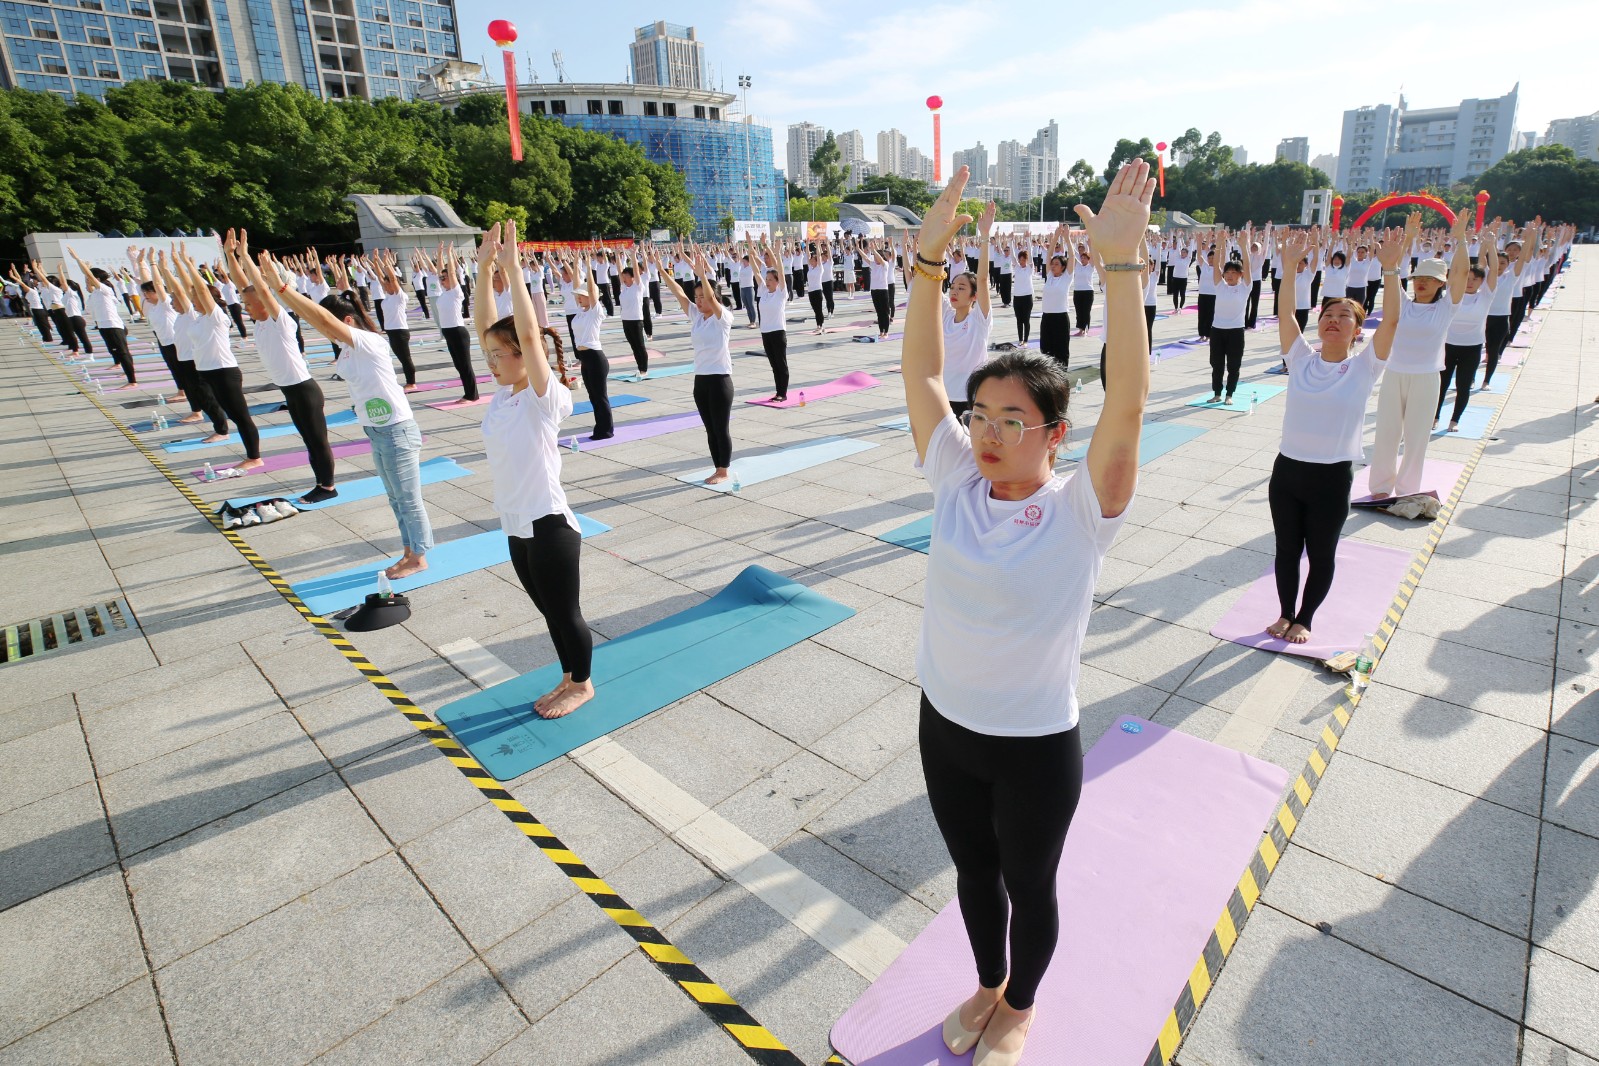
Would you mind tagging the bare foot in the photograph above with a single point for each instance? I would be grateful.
(1298, 634)
(412, 388)
(720, 476)
(198, 417)
(129, 385)
(1007, 1029)
(213, 438)
(576, 695)
(1279, 628)
(250, 464)
(408, 565)
(546, 699)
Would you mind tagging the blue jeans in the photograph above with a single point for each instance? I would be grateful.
(397, 452)
(748, 294)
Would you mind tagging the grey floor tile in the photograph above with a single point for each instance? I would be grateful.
(708, 749)
(461, 1019)
(1560, 996)
(888, 828)
(123, 1029)
(1482, 680)
(35, 717)
(43, 764)
(1572, 795)
(783, 800)
(803, 692)
(1497, 627)
(1142, 649)
(1539, 1050)
(876, 736)
(51, 842)
(138, 730)
(549, 960)
(1566, 919)
(411, 788)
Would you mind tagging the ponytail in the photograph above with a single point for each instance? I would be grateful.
(343, 305)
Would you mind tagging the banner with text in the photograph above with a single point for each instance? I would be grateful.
(111, 253)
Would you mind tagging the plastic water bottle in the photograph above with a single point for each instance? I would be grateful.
(802, 398)
(1360, 677)
(1252, 401)
(571, 443)
(208, 474)
(385, 589)
(737, 484)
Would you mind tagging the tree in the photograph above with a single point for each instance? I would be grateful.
(906, 192)
(830, 177)
(1549, 181)
(814, 209)
(1080, 186)
(497, 212)
(1126, 151)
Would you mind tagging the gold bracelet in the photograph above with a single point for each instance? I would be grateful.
(917, 268)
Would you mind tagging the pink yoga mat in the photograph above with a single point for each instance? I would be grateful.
(289, 460)
(454, 405)
(1438, 479)
(852, 382)
(1166, 825)
(1364, 584)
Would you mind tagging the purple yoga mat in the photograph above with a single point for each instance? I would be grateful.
(1363, 587)
(631, 431)
(1438, 479)
(851, 382)
(1165, 827)
(289, 460)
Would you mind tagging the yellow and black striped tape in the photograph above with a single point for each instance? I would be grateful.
(755, 1039)
(1275, 841)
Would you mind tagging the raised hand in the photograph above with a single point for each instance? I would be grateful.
(1123, 218)
(941, 222)
(490, 247)
(985, 224)
(1394, 246)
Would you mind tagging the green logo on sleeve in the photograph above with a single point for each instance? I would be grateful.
(378, 411)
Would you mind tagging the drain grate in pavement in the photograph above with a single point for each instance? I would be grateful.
(57, 632)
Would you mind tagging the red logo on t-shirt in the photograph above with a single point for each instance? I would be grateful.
(1031, 516)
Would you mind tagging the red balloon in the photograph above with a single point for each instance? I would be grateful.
(1160, 147)
(935, 102)
(502, 32)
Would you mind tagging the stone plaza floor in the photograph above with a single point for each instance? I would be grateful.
(220, 843)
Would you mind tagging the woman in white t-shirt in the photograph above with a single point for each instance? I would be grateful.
(1229, 298)
(710, 324)
(1469, 331)
(1408, 401)
(1055, 321)
(880, 273)
(449, 303)
(396, 317)
(1507, 289)
(773, 310)
(1083, 287)
(366, 366)
(1012, 561)
(630, 301)
(585, 323)
(102, 301)
(817, 268)
(521, 436)
(1021, 294)
(1324, 416)
(209, 333)
(967, 317)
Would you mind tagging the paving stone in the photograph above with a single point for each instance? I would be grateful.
(1482, 680)
(1571, 796)
(872, 739)
(1142, 649)
(787, 797)
(664, 881)
(1576, 706)
(43, 764)
(147, 728)
(888, 828)
(547, 961)
(354, 723)
(52, 841)
(462, 1018)
(410, 788)
(706, 748)
(37, 717)
(1560, 997)
(803, 692)
(123, 1029)
(1566, 919)
(356, 947)
(1491, 627)
(1539, 1050)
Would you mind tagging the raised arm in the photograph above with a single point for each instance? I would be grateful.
(1390, 250)
(1460, 261)
(922, 365)
(669, 279)
(1115, 231)
(1291, 247)
(312, 313)
(90, 282)
(528, 337)
(483, 307)
(266, 288)
(169, 286)
(984, 226)
(1488, 250)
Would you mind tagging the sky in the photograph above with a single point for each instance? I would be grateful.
(1255, 71)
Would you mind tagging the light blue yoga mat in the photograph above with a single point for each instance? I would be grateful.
(913, 535)
(1240, 403)
(754, 469)
(334, 592)
(1495, 388)
(663, 372)
(255, 409)
(757, 615)
(1473, 424)
(621, 399)
(897, 423)
(439, 468)
(1156, 440)
(193, 444)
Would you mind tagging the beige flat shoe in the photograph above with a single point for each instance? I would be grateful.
(987, 1056)
(957, 1037)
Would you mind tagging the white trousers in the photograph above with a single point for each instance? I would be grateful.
(1406, 407)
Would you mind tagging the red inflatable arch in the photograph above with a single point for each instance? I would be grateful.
(1419, 199)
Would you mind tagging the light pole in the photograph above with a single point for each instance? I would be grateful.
(749, 181)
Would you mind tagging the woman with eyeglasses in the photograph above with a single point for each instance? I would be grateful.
(1014, 555)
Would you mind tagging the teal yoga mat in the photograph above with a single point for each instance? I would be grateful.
(346, 588)
(754, 469)
(1156, 440)
(1473, 424)
(193, 444)
(757, 615)
(269, 408)
(913, 535)
(439, 468)
(661, 372)
(621, 399)
(1240, 403)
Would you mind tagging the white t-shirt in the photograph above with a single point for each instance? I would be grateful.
(632, 301)
(1335, 281)
(879, 274)
(709, 338)
(447, 307)
(503, 307)
(1230, 303)
(1419, 340)
(279, 351)
(772, 307)
(1022, 280)
(1302, 282)
(814, 275)
(229, 292)
(1507, 286)
(1325, 409)
(1470, 324)
(367, 366)
(1083, 277)
(183, 335)
(965, 348)
(1010, 585)
(586, 326)
(70, 303)
(521, 439)
(1207, 279)
(103, 304)
(394, 307)
(210, 336)
(163, 319)
(1057, 293)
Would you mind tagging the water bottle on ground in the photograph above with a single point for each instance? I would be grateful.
(208, 474)
(1360, 676)
(802, 398)
(385, 589)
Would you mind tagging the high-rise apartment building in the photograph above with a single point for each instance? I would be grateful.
(918, 167)
(851, 147)
(1400, 149)
(1294, 150)
(1031, 170)
(334, 48)
(1240, 157)
(891, 150)
(803, 140)
(1327, 163)
(859, 171)
(665, 53)
(1580, 134)
(975, 157)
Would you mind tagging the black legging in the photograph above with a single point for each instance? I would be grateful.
(655, 295)
(713, 399)
(1207, 312)
(1024, 317)
(633, 330)
(1518, 311)
(596, 370)
(458, 339)
(1226, 358)
(422, 302)
(78, 328)
(1003, 805)
(1178, 288)
(400, 345)
(236, 312)
(169, 356)
(776, 345)
(1460, 362)
(827, 294)
(201, 399)
(547, 565)
(1055, 336)
(1252, 308)
(41, 322)
(1302, 316)
(815, 296)
(116, 342)
(227, 385)
(885, 310)
(1083, 304)
(1498, 336)
(1149, 325)
(1309, 503)
(58, 316)
(306, 412)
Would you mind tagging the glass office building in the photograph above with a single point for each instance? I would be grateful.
(335, 48)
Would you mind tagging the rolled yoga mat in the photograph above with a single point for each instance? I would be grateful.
(757, 615)
(1363, 587)
(1166, 825)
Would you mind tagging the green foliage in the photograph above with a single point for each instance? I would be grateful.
(906, 192)
(830, 176)
(497, 212)
(1549, 181)
(814, 209)
(1125, 152)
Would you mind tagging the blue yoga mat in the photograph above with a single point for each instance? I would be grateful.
(757, 615)
(1240, 403)
(621, 399)
(346, 588)
(663, 372)
(1495, 388)
(255, 409)
(1156, 440)
(439, 468)
(897, 423)
(194, 444)
(913, 535)
(1473, 424)
(754, 469)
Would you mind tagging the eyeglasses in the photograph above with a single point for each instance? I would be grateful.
(494, 358)
(1007, 431)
